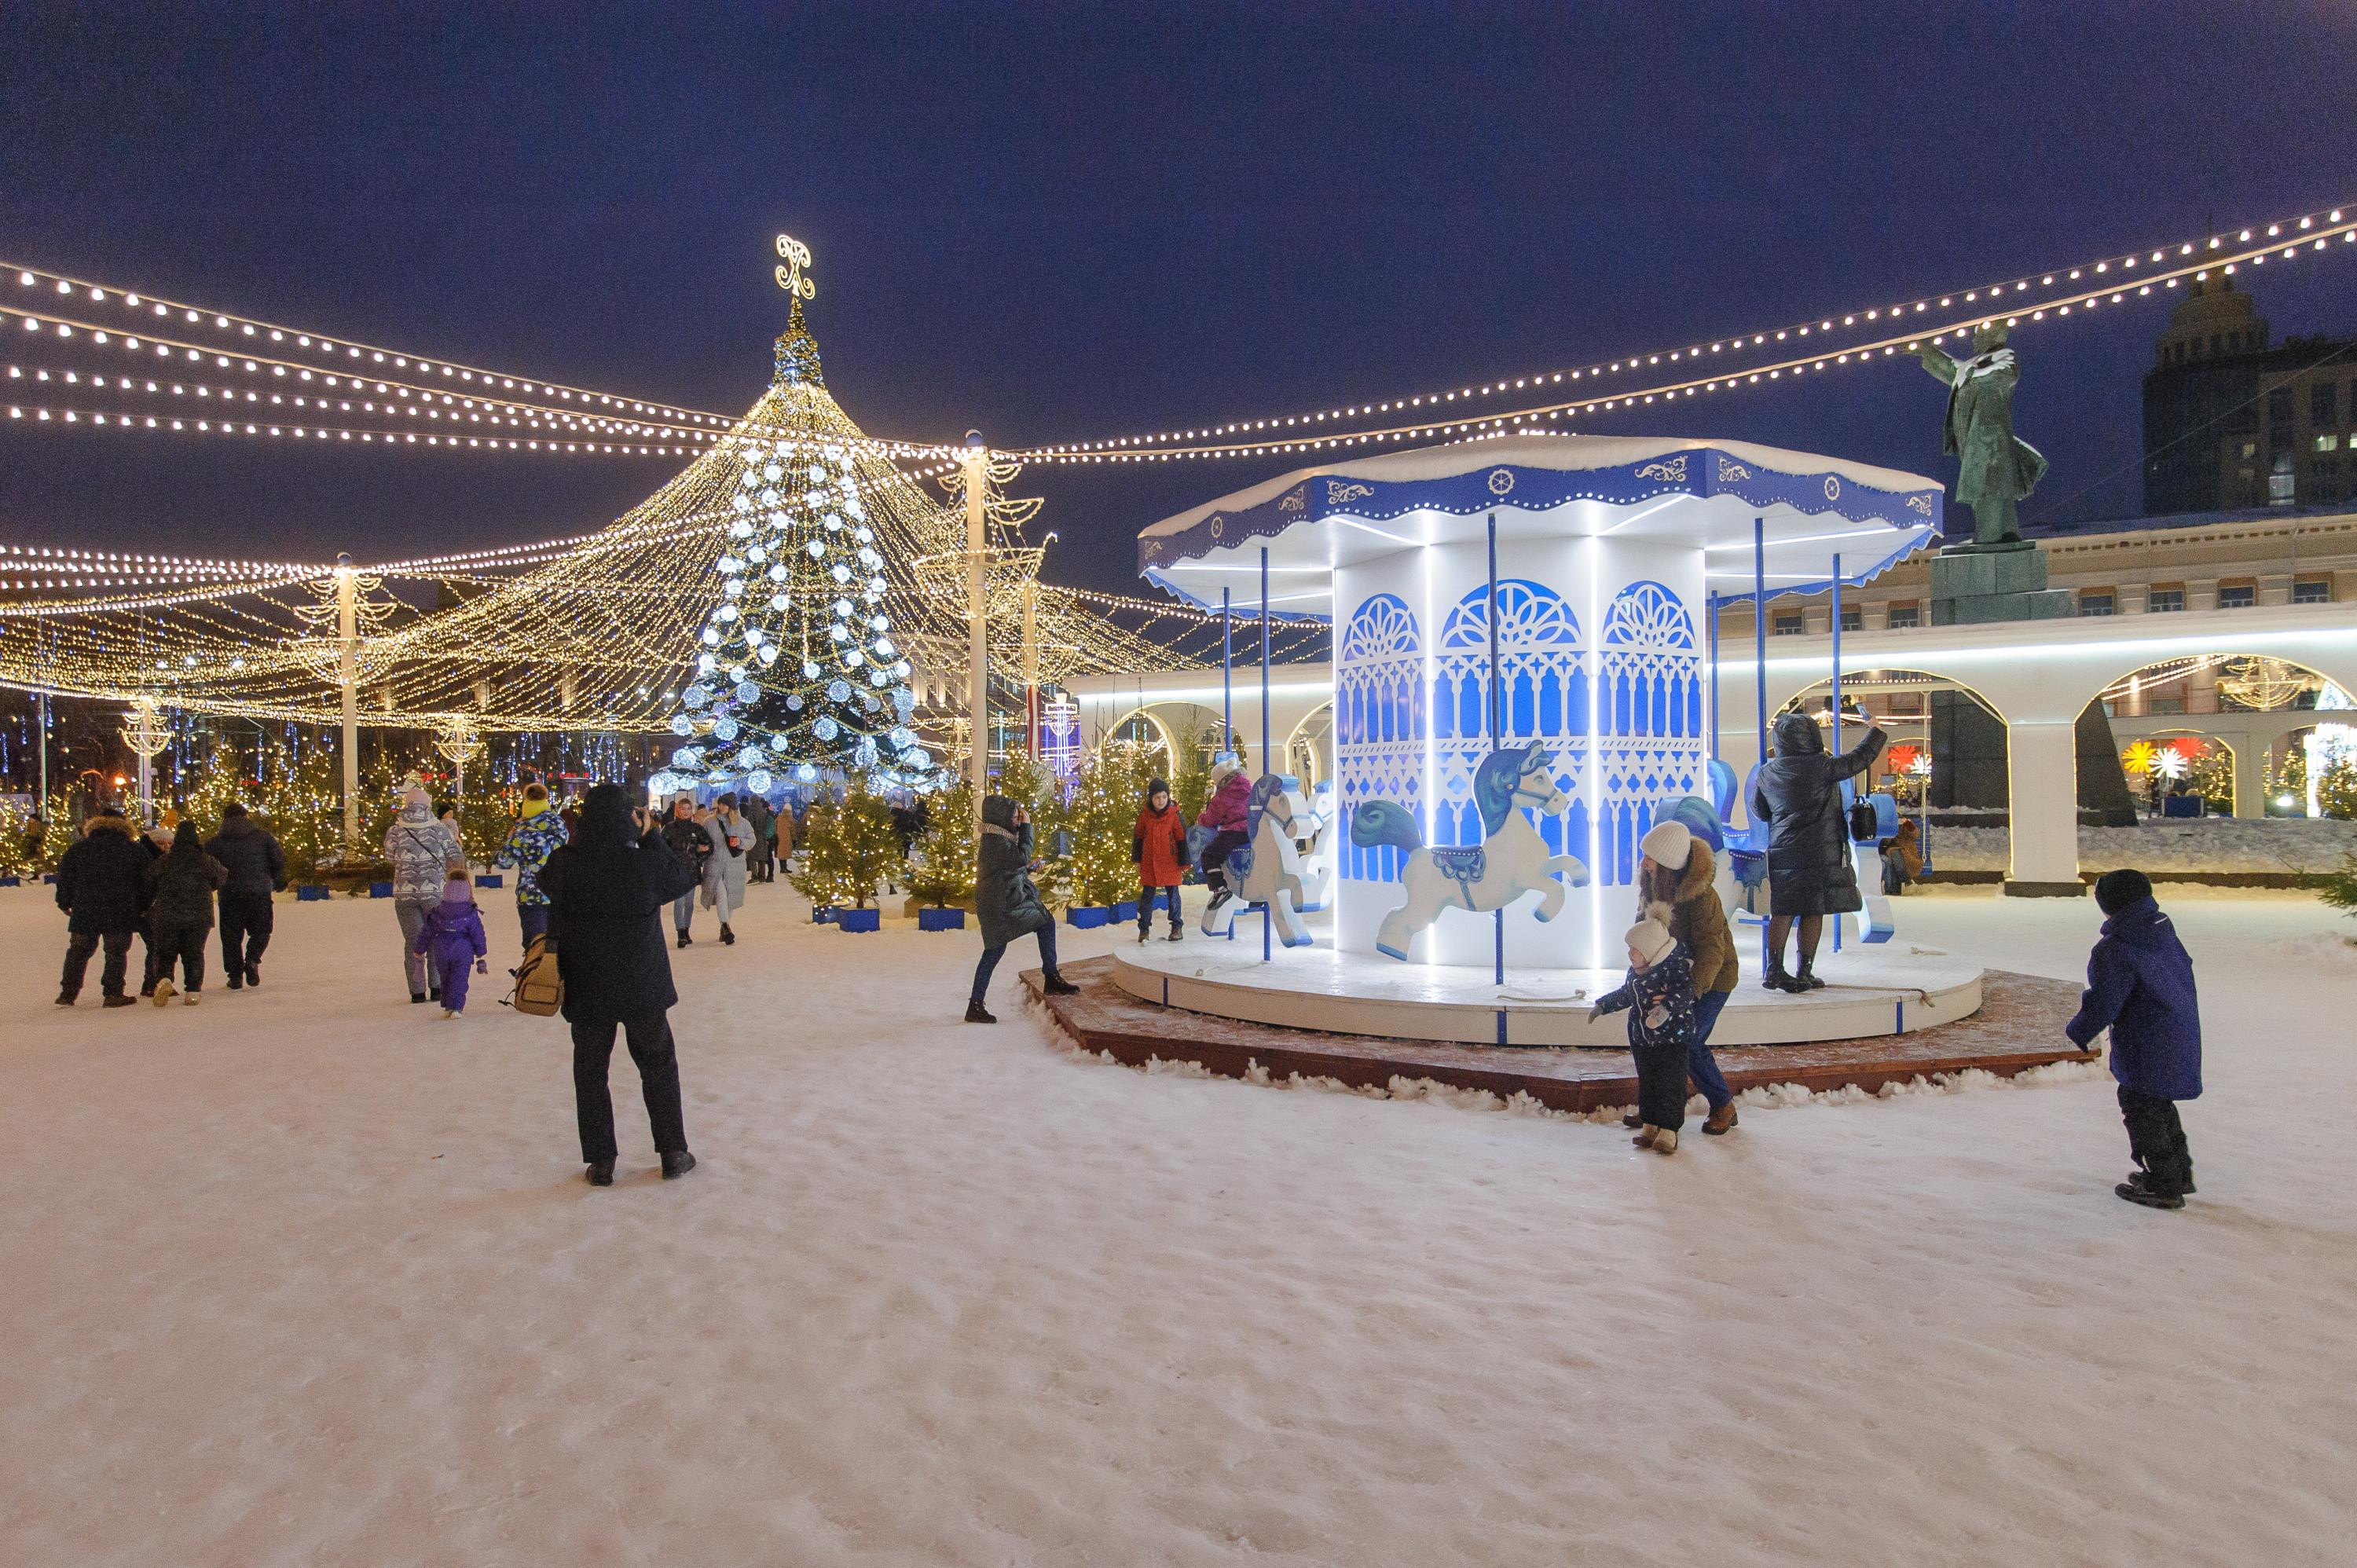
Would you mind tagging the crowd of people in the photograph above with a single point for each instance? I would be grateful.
(593, 881)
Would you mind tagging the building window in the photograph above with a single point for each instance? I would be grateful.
(2164, 704)
(2237, 596)
(1852, 618)
(2165, 601)
(1788, 623)
(2328, 442)
(2312, 591)
(2095, 602)
(1906, 615)
(2250, 450)
(2279, 481)
(2279, 410)
(2324, 404)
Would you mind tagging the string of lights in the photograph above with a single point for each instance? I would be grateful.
(2303, 227)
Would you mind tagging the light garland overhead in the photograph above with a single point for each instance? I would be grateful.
(2025, 289)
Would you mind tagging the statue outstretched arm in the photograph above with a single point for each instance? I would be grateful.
(1938, 364)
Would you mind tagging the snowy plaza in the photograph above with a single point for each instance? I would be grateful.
(287, 1292)
(1081, 786)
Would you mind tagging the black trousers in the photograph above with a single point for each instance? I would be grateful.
(183, 945)
(245, 923)
(2156, 1139)
(80, 945)
(1225, 842)
(651, 1048)
(1662, 1084)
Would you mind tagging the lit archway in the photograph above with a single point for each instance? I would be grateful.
(1310, 751)
(2231, 729)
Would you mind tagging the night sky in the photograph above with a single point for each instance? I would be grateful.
(1061, 223)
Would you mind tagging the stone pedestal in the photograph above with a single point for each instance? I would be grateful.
(1972, 583)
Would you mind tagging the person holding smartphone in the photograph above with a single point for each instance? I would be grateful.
(1007, 902)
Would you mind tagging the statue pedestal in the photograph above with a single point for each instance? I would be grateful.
(1975, 583)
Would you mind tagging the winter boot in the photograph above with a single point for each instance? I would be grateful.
(1666, 1141)
(119, 999)
(2137, 1192)
(1145, 929)
(1178, 933)
(162, 994)
(975, 1012)
(677, 1164)
(253, 975)
(1057, 986)
(193, 997)
(1633, 1120)
(601, 1173)
(682, 938)
(728, 937)
(237, 980)
(65, 998)
(416, 996)
(1720, 1119)
(1806, 979)
(1646, 1134)
(1775, 979)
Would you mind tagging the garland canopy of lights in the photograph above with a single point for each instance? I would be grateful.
(793, 599)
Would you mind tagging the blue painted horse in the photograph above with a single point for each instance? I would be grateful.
(1511, 860)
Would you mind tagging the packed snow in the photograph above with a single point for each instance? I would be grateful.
(308, 1276)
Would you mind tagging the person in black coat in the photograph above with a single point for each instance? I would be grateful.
(2140, 987)
(1797, 793)
(606, 890)
(180, 887)
(692, 844)
(1006, 902)
(102, 887)
(257, 868)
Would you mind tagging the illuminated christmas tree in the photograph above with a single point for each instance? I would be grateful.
(798, 674)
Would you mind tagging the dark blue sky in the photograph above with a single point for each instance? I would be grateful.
(1055, 222)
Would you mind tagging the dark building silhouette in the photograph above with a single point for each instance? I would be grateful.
(2231, 421)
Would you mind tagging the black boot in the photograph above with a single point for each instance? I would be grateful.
(1806, 979)
(601, 1173)
(677, 1164)
(1775, 979)
(2151, 1198)
(65, 998)
(682, 938)
(1057, 986)
(975, 1012)
(253, 975)
(728, 937)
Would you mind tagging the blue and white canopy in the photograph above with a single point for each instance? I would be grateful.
(1692, 492)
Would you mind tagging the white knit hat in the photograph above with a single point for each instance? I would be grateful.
(1667, 844)
(1650, 940)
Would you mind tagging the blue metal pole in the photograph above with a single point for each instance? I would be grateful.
(1496, 724)
(1227, 691)
(1268, 914)
(1837, 737)
(1711, 618)
(1760, 673)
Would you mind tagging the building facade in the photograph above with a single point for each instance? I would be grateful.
(2233, 421)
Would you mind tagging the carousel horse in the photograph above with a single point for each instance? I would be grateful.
(1265, 873)
(1317, 846)
(1511, 860)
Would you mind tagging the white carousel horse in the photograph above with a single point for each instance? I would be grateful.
(1317, 847)
(1511, 860)
(1266, 873)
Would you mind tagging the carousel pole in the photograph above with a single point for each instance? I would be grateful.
(976, 465)
(1496, 705)
(1836, 743)
(1227, 685)
(1760, 674)
(348, 637)
(1710, 618)
(1268, 916)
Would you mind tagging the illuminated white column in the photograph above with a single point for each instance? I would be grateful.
(2045, 808)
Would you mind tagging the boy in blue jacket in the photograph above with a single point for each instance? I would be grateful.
(2140, 986)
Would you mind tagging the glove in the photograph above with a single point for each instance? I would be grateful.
(1595, 1011)
(482, 966)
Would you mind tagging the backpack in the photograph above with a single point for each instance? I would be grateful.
(539, 989)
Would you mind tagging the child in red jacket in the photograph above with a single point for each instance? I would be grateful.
(1158, 846)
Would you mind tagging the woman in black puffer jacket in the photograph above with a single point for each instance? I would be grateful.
(1797, 793)
(180, 887)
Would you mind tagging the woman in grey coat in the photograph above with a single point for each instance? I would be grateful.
(1797, 793)
(1006, 902)
(723, 872)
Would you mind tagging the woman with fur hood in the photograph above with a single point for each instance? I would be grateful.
(1797, 793)
(1674, 886)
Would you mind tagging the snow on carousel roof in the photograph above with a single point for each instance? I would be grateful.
(1668, 489)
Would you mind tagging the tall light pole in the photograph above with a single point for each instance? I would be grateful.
(977, 646)
(347, 665)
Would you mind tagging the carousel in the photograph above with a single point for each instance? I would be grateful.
(1525, 659)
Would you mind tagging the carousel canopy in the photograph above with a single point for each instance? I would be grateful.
(1694, 492)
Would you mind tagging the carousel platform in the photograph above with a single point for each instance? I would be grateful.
(1891, 988)
(2017, 1025)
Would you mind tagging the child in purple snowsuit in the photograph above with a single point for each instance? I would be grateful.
(452, 938)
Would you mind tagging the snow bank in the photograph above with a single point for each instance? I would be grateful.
(2202, 843)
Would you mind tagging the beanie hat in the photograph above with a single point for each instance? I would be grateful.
(2116, 890)
(1667, 844)
(535, 791)
(1650, 940)
(1157, 786)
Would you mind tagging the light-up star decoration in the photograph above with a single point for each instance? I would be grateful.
(792, 276)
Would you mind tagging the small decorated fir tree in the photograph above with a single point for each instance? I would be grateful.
(2338, 888)
(847, 846)
(941, 864)
(1103, 810)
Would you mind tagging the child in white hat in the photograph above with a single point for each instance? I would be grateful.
(1658, 996)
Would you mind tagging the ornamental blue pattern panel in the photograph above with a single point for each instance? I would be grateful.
(1543, 696)
(1379, 725)
(1650, 747)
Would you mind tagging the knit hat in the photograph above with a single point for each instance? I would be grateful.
(1668, 844)
(1157, 786)
(2116, 890)
(1650, 940)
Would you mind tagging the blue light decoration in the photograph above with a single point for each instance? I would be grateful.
(1060, 737)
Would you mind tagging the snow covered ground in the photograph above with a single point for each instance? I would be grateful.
(307, 1276)
(2202, 843)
